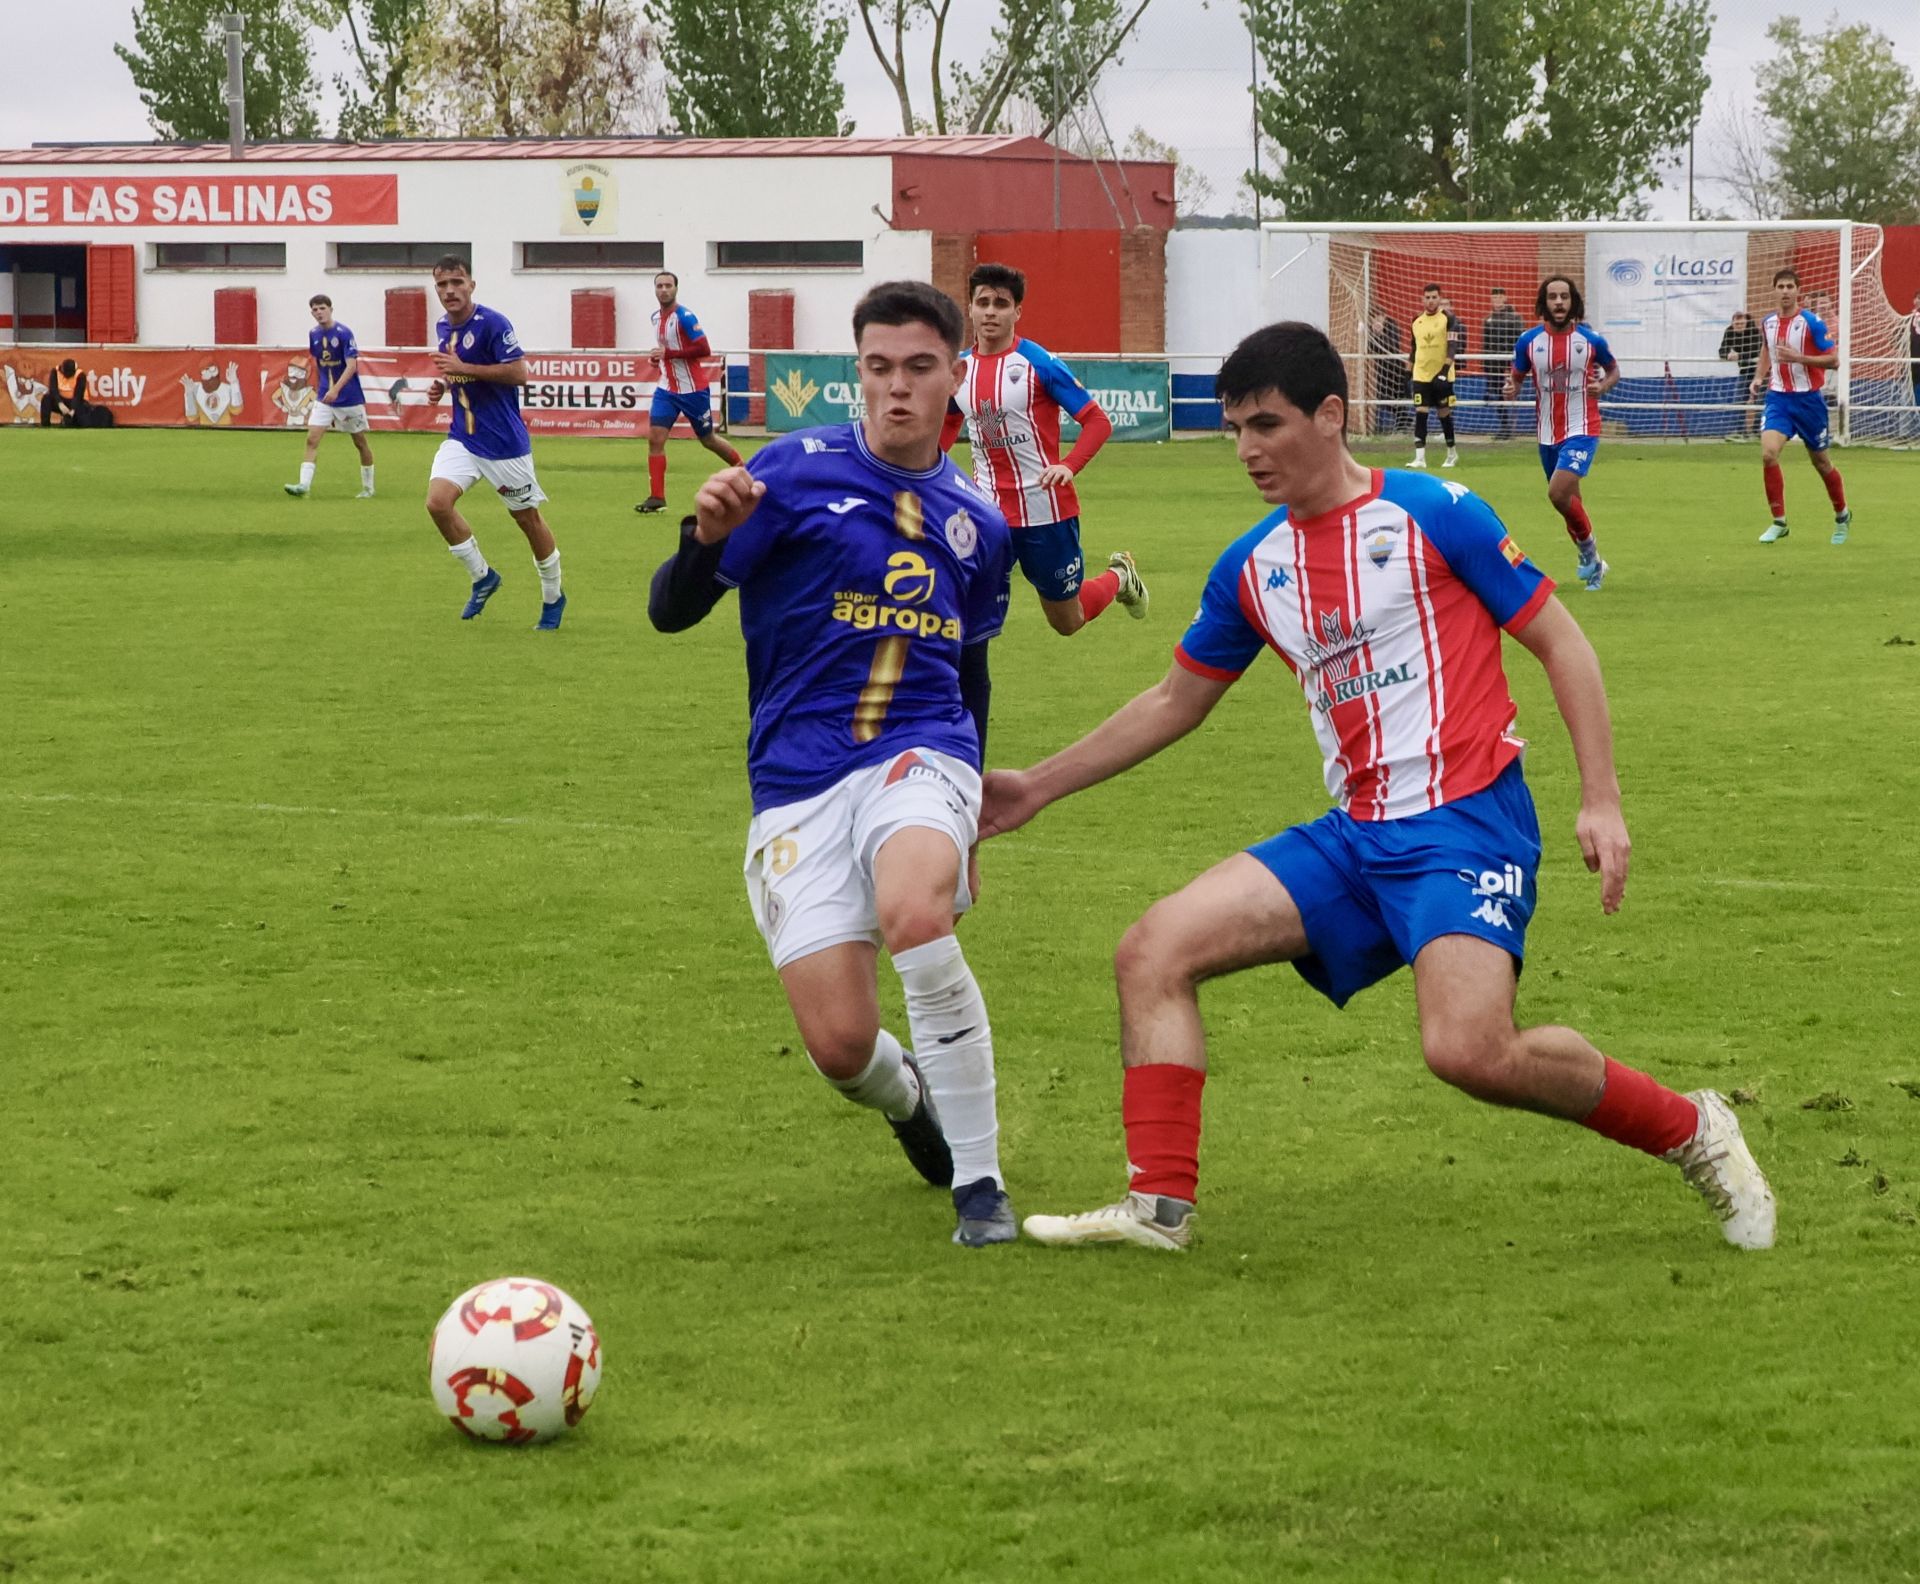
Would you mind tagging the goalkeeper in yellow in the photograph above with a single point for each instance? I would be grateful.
(1431, 368)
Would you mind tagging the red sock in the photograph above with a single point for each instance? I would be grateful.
(1579, 525)
(1776, 488)
(1642, 1112)
(1096, 594)
(1836, 491)
(732, 456)
(657, 476)
(1160, 1105)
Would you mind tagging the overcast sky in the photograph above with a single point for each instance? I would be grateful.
(1184, 78)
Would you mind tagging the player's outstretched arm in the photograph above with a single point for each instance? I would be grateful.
(687, 584)
(1138, 730)
(1554, 638)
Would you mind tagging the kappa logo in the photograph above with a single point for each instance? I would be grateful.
(1495, 889)
(793, 392)
(1276, 579)
(840, 508)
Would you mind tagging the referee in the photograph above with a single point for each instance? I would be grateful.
(1431, 368)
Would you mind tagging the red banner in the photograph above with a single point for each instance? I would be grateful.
(200, 200)
(594, 393)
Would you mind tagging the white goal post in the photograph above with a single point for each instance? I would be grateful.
(1663, 294)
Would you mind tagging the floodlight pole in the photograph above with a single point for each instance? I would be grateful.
(236, 88)
(1253, 58)
(1469, 162)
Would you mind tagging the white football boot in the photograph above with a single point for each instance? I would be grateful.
(1153, 1221)
(1718, 1163)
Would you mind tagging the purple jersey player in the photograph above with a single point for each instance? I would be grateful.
(480, 361)
(871, 573)
(338, 402)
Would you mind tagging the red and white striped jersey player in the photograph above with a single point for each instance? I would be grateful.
(1385, 594)
(1011, 401)
(1571, 368)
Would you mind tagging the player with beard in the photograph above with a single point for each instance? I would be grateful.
(1571, 368)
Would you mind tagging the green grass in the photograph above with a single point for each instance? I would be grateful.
(351, 953)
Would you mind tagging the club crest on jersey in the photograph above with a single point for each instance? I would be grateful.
(467, 341)
(961, 533)
(1380, 546)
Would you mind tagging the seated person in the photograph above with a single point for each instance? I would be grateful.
(66, 396)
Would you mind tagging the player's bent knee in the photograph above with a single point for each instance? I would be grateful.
(913, 921)
(1154, 957)
(841, 1051)
(1473, 1059)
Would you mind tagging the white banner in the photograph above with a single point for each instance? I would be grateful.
(1666, 295)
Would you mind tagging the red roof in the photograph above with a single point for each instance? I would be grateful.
(530, 148)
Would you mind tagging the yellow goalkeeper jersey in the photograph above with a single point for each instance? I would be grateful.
(1430, 359)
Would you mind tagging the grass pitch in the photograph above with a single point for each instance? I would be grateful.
(352, 953)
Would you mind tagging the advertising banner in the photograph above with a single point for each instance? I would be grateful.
(575, 393)
(1136, 395)
(808, 389)
(199, 201)
(805, 389)
(1661, 295)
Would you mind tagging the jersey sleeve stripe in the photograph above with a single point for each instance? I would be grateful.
(1200, 668)
(1531, 609)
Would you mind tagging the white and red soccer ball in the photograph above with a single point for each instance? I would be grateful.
(514, 1360)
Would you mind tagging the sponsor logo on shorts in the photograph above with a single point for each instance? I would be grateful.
(1495, 889)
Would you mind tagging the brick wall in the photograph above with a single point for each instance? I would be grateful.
(1143, 290)
(953, 260)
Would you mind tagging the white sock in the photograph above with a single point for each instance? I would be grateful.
(953, 1044)
(306, 473)
(549, 571)
(366, 476)
(886, 1083)
(467, 553)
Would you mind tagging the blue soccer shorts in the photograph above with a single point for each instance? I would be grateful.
(1797, 414)
(1373, 892)
(1050, 557)
(1573, 455)
(694, 406)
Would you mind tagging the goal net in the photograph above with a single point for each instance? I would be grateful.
(1666, 298)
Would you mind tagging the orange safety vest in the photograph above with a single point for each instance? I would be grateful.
(68, 383)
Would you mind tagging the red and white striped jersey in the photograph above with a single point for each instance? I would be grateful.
(1388, 611)
(1561, 362)
(1012, 401)
(1804, 332)
(676, 329)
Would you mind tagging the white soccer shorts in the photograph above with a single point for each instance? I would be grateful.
(512, 477)
(347, 420)
(809, 865)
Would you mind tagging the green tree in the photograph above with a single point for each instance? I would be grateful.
(390, 40)
(179, 65)
(1843, 125)
(1575, 108)
(1030, 60)
(528, 68)
(753, 68)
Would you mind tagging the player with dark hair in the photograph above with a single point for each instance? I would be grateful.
(1571, 368)
(1795, 355)
(680, 348)
(871, 572)
(1430, 366)
(338, 402)
(1010, 400)
(1386, 596)
(480, 362)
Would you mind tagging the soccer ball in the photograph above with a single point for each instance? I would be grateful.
(514, 1360)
